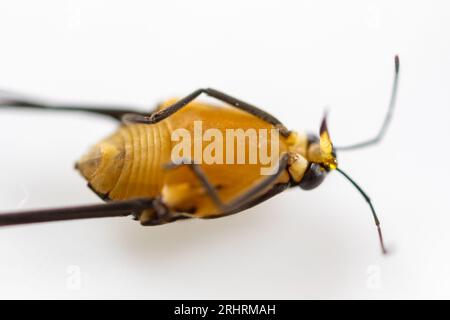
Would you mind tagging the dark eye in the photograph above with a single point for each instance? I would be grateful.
(313, 177)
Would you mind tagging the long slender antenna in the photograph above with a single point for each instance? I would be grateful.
(387, 118)
(366, 197)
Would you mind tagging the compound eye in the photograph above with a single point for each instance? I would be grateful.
(313, 177)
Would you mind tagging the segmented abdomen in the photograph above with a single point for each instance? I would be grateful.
(130, 162)
(147, 149)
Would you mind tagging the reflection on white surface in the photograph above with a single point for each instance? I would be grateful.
(291, 59)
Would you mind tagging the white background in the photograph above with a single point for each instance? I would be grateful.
(291, 58)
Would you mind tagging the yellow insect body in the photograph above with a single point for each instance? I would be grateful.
(174, 163)
(131, 162)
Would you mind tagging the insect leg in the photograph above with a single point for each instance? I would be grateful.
(276, 189)
(163, 114)
(110, 209)
(249, 198)
(261, 186)
(160, 214)
(12, 99)
(198, 172)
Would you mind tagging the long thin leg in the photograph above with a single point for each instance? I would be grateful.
(241, 201)
(387, 118)
(264, 184)
(163, 114)
(12, 99)
(276, 189)
(160, 213)
(198, 172)
(110, 209)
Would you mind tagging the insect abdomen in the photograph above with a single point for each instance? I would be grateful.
(129, 163)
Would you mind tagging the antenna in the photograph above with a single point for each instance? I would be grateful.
(387, 118)
(366, 197)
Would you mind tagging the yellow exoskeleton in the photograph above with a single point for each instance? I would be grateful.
(135, 171)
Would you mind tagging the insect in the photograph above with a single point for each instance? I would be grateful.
(133, 170)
